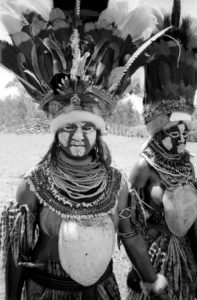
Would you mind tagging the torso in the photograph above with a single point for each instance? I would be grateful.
(82, 244)
(154, 190)
(79, 247)
(82, 248)
(178, 203)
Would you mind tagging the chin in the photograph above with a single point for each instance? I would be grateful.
(77, 152)
(181, 149)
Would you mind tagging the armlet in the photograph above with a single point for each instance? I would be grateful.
(18, 231)
(135, 212)
(124, 214)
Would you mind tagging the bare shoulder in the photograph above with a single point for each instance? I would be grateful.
(140, 173)
(25, 196)
(193, 171)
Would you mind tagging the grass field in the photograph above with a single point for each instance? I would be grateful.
(20, 152)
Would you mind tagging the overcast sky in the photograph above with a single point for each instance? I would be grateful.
(188, 6)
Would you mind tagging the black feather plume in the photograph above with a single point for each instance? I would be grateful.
(176, 14)
(8, 57)
(97, 6)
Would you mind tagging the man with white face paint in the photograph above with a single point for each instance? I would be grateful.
(163, 179)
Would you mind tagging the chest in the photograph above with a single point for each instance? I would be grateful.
(84, 247)
(154, 191)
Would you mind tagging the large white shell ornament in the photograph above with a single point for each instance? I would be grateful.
(180, 207)
(86, 248)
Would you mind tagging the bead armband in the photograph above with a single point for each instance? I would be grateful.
(126, 235)
(124, 214)
(157, 287)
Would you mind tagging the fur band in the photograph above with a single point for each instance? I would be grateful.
(74, 116)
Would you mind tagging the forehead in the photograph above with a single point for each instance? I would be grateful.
(80, 123)
(180, 127)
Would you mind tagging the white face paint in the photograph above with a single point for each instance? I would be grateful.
(175, 138)
(63, 138)
(77, 138)
(167, 142)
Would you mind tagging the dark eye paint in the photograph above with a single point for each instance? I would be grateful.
(69, 127)
(88, 127)
(174, 134)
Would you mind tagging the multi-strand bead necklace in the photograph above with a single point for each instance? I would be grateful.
(173, 169)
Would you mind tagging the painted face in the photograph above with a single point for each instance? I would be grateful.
(174, 138)
(77, 138)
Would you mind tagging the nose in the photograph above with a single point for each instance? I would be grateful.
(182, 138)
(78, 135)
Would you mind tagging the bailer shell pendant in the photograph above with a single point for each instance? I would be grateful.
(82, 248)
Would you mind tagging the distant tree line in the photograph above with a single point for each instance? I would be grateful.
(18, 111)
(125, 114)
(21, 111)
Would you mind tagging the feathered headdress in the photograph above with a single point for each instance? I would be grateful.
(171, 73)
(73, 65)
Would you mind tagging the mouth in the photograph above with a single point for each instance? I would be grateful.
(77, 144)
(181, 148)
(77, 150)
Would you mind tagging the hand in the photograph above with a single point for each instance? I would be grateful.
(161, 296)
(133, 281)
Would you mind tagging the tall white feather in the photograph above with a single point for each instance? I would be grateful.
(4, 35)
(117, 10)
(134, 17)
(142, 22)
(12, 11)
(40, 7)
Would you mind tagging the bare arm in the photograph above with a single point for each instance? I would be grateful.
(133, 242)
(25, 196)
(140, 174)
(14, 274)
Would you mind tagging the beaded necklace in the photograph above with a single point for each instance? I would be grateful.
(78, 181)
(173, 169)
(100, 203)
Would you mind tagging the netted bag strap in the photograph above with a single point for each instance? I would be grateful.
(18, 231)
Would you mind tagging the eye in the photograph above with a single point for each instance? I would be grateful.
(69, 127)
(174, 134)
(88, 127)
(185, 134)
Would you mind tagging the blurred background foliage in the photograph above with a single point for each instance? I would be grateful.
(18, 113)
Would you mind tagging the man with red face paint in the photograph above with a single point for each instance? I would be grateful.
(163, 179)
